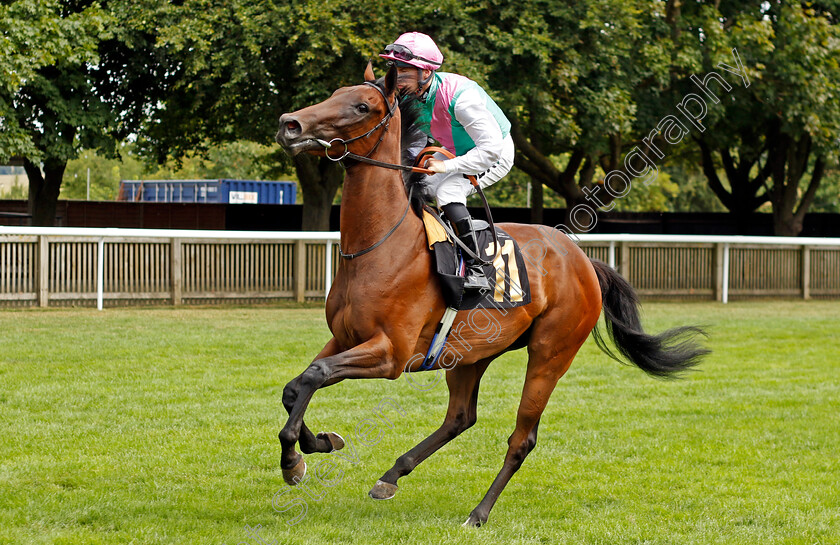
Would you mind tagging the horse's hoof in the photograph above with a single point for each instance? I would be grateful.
(474, 521)
(295, 475)
(336, 441)
(383, 491)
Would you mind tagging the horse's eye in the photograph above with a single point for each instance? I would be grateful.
(363, 108)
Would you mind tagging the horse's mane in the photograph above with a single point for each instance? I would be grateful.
(410, 132)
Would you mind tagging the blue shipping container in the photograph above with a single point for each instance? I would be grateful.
(210, 191)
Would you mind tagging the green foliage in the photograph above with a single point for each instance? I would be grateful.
(661, 195)
(580, 80)
(242, 160)
(652, 197)
(787, 121)
(827, 199)
(693, 193)
(512, 191)
(105, 175)
(17, 191)
(243, 64)
(95, 78)
(44, 54)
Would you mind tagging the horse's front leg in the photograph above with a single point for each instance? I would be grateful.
(309, 442)
(371, 359)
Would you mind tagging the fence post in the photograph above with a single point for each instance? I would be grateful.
(719, 272)
(100, 273)
(300, 271)
(175, 270)
(806, 272)
(43, 271)
(328, 276)
(624, 268)
(725, 291)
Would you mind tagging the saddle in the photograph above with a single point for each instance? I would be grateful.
(505, 270)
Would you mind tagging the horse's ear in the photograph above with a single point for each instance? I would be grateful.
(369, 73)
(391, 80)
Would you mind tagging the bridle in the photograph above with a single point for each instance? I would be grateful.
(386, 120)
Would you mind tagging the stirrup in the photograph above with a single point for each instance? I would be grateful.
(475, 280)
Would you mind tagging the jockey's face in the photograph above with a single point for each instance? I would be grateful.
(407, 81)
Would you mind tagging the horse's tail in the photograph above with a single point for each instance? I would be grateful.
(662, 355)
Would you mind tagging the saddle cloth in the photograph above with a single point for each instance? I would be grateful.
(506, 274)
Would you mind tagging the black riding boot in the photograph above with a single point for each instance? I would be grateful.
(474, 276)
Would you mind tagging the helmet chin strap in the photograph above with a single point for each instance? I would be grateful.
(421, 83)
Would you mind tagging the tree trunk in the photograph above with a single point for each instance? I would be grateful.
(672, 17)
(788, 218)
(319, 181)
(536, 201)
(790, 162)
(745, 194)
(580, 215)
(785, 225)
(43, 190)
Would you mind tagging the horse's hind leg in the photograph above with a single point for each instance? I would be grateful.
(540, 380)
(463, 399)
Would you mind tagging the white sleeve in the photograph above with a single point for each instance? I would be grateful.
(484, 130)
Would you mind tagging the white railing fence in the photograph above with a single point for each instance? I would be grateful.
(76, 266)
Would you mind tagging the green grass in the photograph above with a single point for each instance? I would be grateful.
(159, 426)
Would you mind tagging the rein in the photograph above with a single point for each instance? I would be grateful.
(365, 159)
(383, 239)
(422, 157)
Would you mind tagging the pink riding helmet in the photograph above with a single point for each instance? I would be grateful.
(416, 49)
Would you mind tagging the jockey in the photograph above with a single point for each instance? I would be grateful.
(458, 113)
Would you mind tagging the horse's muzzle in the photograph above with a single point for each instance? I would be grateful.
(290, 130)
(291, 136)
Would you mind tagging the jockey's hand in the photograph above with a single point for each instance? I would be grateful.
(436, 165)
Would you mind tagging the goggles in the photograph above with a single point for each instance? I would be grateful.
(403, 53)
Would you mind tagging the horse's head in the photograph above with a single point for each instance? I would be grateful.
(349, 118)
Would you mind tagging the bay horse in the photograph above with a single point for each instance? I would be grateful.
(384, 306)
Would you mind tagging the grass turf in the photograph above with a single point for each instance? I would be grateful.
(158, 426)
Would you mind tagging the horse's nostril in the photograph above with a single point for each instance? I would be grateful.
(290, 130)
(293, 128)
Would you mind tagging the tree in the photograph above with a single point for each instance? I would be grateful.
(81, 78)
(570, 78)
(584, 84)
(827, 198)
(694, 193)
(105, 175)
(40, 107)
(242, 64)
(777, 135)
